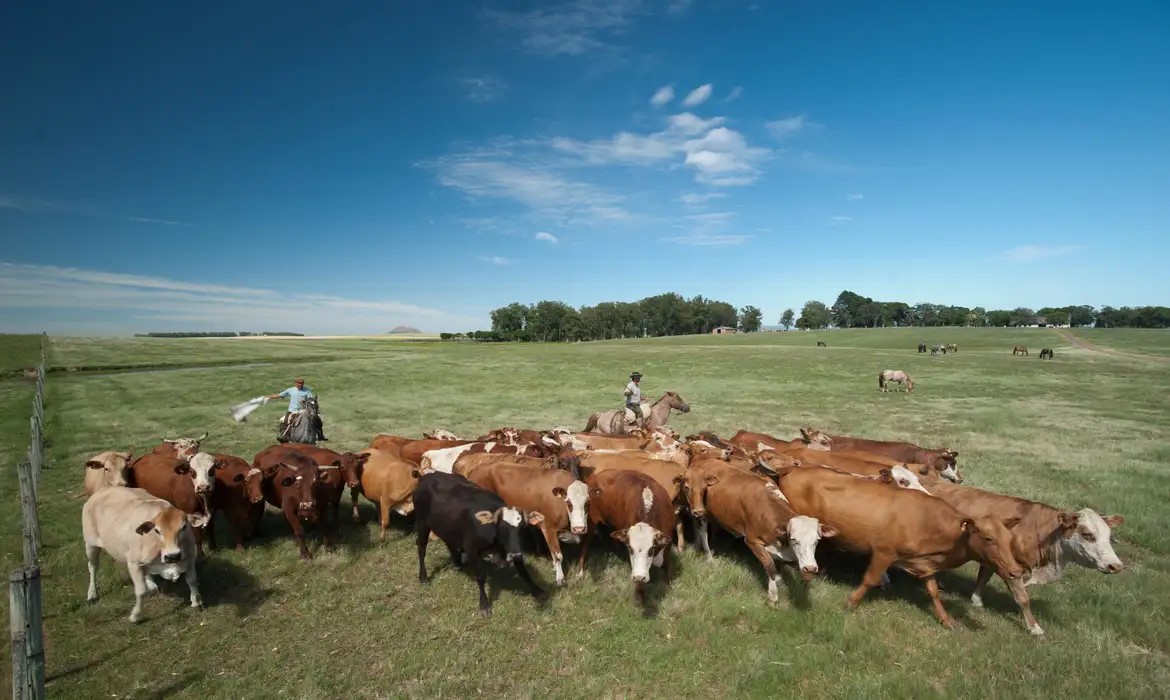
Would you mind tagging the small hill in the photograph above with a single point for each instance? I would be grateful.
(406, 329)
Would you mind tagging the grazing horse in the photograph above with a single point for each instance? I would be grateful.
(1046, 354)
(952, 348)
(894, 375)
(922, 347)
(936, 349)
(1019, 350)
(821, 344)
(620, 421)
(302, 425)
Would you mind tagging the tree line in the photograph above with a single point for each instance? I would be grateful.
(212, 334)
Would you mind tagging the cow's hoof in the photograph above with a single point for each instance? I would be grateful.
(976, 600)
(135, 618)
(92, 600)
(1036, 631)
(485, 612)
(951, 625)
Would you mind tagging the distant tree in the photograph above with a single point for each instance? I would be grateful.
(999, 318)
(1023, 316)
(1081, 315)
(814, 315)
(787, 319)
(750, 319)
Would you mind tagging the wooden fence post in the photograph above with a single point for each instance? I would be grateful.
(27, 634)
(30, 523)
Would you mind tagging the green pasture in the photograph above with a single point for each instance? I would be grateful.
(1090, 428)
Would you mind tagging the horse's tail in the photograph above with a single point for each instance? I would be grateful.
(881, 380)
(591, 424)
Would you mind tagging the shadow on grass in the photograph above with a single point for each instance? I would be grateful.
(173, 687)
(92, 663)
(499, 577)
(224, 582)
(728, 546)
(603, 550)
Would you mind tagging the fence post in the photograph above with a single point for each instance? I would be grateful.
(31, 526)
(35, 453)
(27, 634)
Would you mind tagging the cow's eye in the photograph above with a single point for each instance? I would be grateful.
(1089, 537)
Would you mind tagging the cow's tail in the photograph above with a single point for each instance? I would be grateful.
(591, 424)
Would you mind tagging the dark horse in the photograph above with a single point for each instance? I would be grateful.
(1046, 353)
(303, 426)
(821, 344)
(922, 347)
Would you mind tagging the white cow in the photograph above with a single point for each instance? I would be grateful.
(106, 469)
(146, 533)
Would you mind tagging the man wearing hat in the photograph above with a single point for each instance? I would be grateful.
(296, 395)
(634, 398)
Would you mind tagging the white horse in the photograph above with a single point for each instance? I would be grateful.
(895, 375)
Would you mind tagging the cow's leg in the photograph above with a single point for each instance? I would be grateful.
(92, 554)
(193, 585)
(584, 549)
(878, 563)
(554, 550)
(936, 602)
(138, 577)
(701, 536)
(424, 537)
(294, 521)
(383, 518)
(757, 548)
(485, 605)
(522, 571)
(680, 542)
(240, 525)
(981, 580)
(211, 545)
(151, 586)
(1020, 595)
(353, 499)
(198, 531)
(323, 511)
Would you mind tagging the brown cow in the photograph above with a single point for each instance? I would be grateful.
(187, 485)
(641, 516)
(291, 484)
(567, 461)
(899, 527)
(387, 482)
(591, 441)
(941, 460)
(1044, 541)
(669, 476)
(752, 507)
(561, 500)
(413, 451)
(389, 443)
(238, 488)
(752, 442)
(106, 469)
(851, 461)
(349, 464)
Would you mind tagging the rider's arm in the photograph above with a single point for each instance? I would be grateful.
(281, 395)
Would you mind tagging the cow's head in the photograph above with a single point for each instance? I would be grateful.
(185, 448)
(645, 544)
(440, 434)
(351, 467)
(991, 540)
(698, 449)
(201, 468)
(166, 527)
(801, 535)
(816, 439)
(773, 463)
(115, 467)
(907, 479)
(694, 487)
(507, 522)
(576, 499)
(1088, 539)
(297, 482)
(253, 482)
(945, 461)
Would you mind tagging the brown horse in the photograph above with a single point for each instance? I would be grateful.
(620, 421)
(1046, 353)
(1019, 350)
(895, 375)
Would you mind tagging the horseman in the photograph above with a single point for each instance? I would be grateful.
(633, 395)
(296, 396)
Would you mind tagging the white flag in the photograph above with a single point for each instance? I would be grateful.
(240, 411)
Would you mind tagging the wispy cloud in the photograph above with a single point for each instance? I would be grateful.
(677, 6)
(495, 260)
(571, 28)
(1032, 253)
(546, 237)
(145, 220)
(709, 229)
(782, 129)
(155, 303)
(698, 96)
(734, 95)
(9, 201)
(710, 239)
(697, 198)
(662, 95)
(483, 88)
(853, 197)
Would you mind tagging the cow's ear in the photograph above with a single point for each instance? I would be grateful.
(953, 453)
(126, 455)
(559, 492)
(712, 480)
(885, 477)
(968, 525)
(1009, 523)
(336, 463)
(661, 539)
(828, 530)
(485, 517)
(621, 535)
(678, 479)
(535, 518)
(239, 479)
(145, 527)
(219, 464)
(363, 457)
(1113, 520)
(182, 468)
(94, 464)
(1069, 520)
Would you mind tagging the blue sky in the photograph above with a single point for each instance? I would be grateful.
(363, 165)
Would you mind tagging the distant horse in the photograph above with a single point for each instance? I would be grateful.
(821, 344)
(936, 349)
(1019, 350)
(952, 347)
(922, 347)
(1046, 354)
(894, 375)
(302, 425)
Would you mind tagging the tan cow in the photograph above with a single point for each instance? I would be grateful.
(106, 469)
(389, 443)
(387, 481)
(149, 535)
(669, 476)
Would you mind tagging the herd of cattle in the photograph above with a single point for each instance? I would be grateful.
(898, 503)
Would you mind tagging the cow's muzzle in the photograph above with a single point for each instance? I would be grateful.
(640, 578)
(578, 530)
(172, 557)
(807, 572)
(515, 557)
(1112, 568)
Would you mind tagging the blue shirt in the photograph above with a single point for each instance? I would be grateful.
(295, 396)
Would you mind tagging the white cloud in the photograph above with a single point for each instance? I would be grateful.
(484, 88)
(1032, 253)
(696, 198)
(709, 229)
(662, 95)
(155, 303)
(698, 96)
(734, 94)
(495, 260)
(710, 239)
(677, 6)
(722, 157)
(546, 237)
(144, 220)
(572, 28)
(786, 128)
(853, 197)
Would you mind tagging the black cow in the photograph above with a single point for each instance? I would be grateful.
(472, 522)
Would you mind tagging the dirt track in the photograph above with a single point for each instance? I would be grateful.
(1083, 344)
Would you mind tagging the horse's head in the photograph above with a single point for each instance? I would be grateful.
(310, 406)
(676, 402)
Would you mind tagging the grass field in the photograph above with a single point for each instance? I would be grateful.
(1090, 428)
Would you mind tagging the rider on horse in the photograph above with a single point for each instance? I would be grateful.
(296, 395)
(634, 398)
